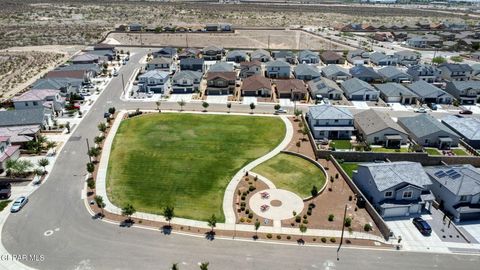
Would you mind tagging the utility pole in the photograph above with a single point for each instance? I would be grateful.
(186, 40)
(88, 149)
(343, 230)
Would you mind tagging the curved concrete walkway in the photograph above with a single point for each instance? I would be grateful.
(228, 211)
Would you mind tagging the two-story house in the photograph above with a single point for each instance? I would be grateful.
(395, 189)
(308, 57)
(457, 190)
(212, 53)
(34, 99)
(456, 72)
(186, 81)
(237, 56)
(277, 69)
(424, 72)
(466, 92)
(160, 63)
(356, 89)
(407, 58)
(221, 83)
(155, 81)
(248, 69)
(193, 64)
(330, 122)
(7, 152)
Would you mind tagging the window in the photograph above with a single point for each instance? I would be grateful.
(35, 103)
(407, 194)
(463, 198)
(26, 104)
(388, 194)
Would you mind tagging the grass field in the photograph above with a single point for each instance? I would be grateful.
(459, 152)
(432, 152)
(185, 160)
(292, 173)
(349, 167)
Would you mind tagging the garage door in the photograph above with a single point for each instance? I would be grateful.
(357, 97)
(395, 212)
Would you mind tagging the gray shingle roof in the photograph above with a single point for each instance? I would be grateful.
(156, 74)
(467, 127)
(372, 121)
(390, 72)
(192, 61)
(464, 85)
(221, 67)
(304, 69)
(463, 180)
(56, 83)
(425, 90)
(323, 86)
(237, 53)
(391, 174)
(423, 125)
(394, 90)
(180, 75)
(277, 63)
(355, 85)
(456, 67)
(363, 71)
(308, 54)
(22, 117)
(332, 70)
(329, 112)
(260, 53)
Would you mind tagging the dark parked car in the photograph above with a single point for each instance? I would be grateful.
(465, 112)
(422, 226)
(5, 190)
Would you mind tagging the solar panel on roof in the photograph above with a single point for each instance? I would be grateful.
(440, 174)
(455, 176)
(450, 171)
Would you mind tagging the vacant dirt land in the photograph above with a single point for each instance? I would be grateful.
(247, 39)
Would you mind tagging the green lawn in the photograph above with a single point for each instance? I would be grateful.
(292, 173)
(459, 152)
(389, 150)
(4, 204)
(433, 152)
(341, 144)
(185, 160)
(349, 167)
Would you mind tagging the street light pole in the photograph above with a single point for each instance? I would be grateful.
(343, 230)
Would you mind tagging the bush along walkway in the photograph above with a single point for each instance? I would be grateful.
(114, 214)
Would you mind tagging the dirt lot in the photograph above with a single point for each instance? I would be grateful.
(247, 39)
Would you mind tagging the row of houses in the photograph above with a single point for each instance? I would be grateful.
(211, 27)
(443, 26)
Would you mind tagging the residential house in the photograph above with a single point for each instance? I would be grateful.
(330, 122)
(383, 36)
(455, 72)
(91, 70)
(407, 58)
(475, 56)
(395, 189)
(104, 55)
(381, 59)
(457, 190)
(306, 72)
(324, 88)
(427, 131)
(336, 73)
(193, 64)
(257, 85)
(20, 135)
(85, 58)
(424, 72)
(356, 89)
(189, 53)
(167, 52)
(103, 47)
(160, 63)
(286, 56)
(237, 56)
(210, 53)
(186, 81)
(375, 127)
(358, 57)
(466, 92)
(331, 57)
(426, 41)
(428, 93)
(40, 116)
(83, 75)
(221, 83)
(65, 85)
(135, 27)
(34, 99)
(366, 74)
(293, 89)
(261, 55)
(7, 152)
(417, 42)
(221, 67)
(399, 36)
(395, 92)
(250, 68)
(308, 57)
(155, 81)
(393, 74)
(467, 127)
(277, 69)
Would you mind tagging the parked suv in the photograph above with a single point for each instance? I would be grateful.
(5, 190)
(422, 226)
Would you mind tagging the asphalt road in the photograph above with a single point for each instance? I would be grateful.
(56, 224)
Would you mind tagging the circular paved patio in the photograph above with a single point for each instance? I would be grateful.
(281, 204)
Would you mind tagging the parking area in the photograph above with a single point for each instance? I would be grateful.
(220, 99)
(473, 108)
(180, 97)
(249, 100)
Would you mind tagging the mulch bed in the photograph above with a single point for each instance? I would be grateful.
(243, 212)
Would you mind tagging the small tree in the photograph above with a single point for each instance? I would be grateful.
(212, 222)
(298, 144)
(90, 167)
(304, 131)
(229, 106)
(276, 107)
(100, 203)
(439, 60)
(314, 191)
(111, 110)
(348, 221)
(205, 106)
(158, 103)
(297, 113)
(252, 107)
(127, 211)
(91, 183)
(38, 172)
(257, 226)
(204, 266)
(174, 266)
(93, 152)
(43, 163)
(98, 139)
(303, 229)
(102, 127)
(168, 213)
(181, 103)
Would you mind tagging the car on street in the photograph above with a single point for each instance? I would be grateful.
(422, 226)
(19, 204)
(465, 111)
(433, 106)
(115, 73)
(420, 110)
(280, 111)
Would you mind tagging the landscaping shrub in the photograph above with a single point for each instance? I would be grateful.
(294, 213)
(298, 219)
(336, 176)
(331, 178)
(348, 241)
(331, 217)
(239, 192)
(333, 240)
(305, 221)
(279, 237)
(269, 235)
(247, 211)
(311, 205)
(250, 215)
(249, 220)
(244, 193)
(367, 227)
(350, 198)
(305, 216)
(243, 198)
(309, 212)
(348, 221)
(323, 239)
(243, 204)
(289, 237)
(314, 191)
(242, 208)
(251, 188)
(314, 239)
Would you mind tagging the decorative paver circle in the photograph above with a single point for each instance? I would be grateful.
(279, 204)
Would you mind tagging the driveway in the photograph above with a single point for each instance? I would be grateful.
(180, 97)
(360, 105)
(472, 229)
(249, 100)
(400, 107)
(221, 99)
(285, 102)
